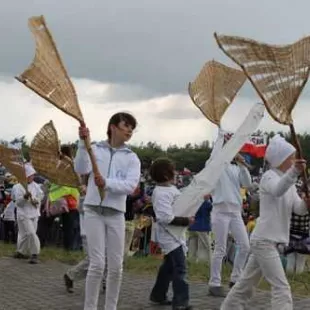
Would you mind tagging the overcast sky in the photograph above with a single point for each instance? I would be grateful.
(138, 56)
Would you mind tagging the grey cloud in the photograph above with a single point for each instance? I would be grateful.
(127, 92)
(160, 45)
(181, 112)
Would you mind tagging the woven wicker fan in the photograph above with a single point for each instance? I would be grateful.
(46, 158)
(278, 74)
(47, 77)
(215, 88)
(13, 161)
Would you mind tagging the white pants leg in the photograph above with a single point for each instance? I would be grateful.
(79, 271)
(204, 247)
(28, 241)
(192, 246)
(300, 263)
(22, 241)
(220, 227)
(238, 231)
(295, 263)
(104, 232)
(264, 260)
(94, 226)
(291, 262)
(115, 237)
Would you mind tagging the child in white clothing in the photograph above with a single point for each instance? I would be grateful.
(278, 198)
(104, 221)
(173, 268)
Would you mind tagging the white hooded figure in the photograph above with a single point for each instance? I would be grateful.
(278, 199)
(226, 217)
(28, 211)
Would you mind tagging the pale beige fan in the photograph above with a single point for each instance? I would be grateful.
(215, 88)
(47, 159)
(277, 72)
(12, 160)
(48, 77)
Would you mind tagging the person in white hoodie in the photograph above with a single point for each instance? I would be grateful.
(104, 221)
(28, 212)
(226, 217)
(278, 199)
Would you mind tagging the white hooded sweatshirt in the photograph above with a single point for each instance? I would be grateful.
(119, 167)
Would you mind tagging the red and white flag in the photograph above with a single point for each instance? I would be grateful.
(256, 147)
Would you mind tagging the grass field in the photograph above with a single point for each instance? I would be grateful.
(148, 265)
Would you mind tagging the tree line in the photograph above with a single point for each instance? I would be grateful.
(191, 156)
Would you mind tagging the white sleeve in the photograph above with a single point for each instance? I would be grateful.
(162, 204)
(218, 145)
(278, 187)
(245, 177)
(82, 163)
(39, 195)
(19, 193)
(299, 206)
(131, 181)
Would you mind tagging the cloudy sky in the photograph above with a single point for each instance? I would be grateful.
(138, 56)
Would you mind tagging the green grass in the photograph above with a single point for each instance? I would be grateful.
(149, 265)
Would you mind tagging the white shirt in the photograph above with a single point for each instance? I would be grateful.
(162, 199)
(24, 207)
(226, 195)
(278, 199)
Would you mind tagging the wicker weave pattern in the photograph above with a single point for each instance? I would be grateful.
(13, 161)
(47, 75)
(215, 88)
(278, 73)
(47, 159)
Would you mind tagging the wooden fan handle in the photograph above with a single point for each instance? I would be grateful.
(93, 162)
(299, 156)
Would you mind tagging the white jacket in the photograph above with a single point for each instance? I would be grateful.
(162, 200)
(226, 196)
(24, 207)
(278, 199)
(120, 167)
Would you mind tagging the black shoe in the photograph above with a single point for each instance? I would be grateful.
(164, 302)
(34, 259)
(182, 308)
(68, 283)
(231, 284)
(19, 255)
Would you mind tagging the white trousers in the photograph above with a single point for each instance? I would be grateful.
(199, 246)
(296, 263)
(105, 233)
(27, 239)
(264, 261)
(222, 224)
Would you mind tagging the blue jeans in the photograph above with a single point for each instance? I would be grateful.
(173, 269)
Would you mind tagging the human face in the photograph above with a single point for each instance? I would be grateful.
(122, 132)
(30, 179)
(288, 163)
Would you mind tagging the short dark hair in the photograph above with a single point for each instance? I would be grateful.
(66, 150)
(119, 117)
(162, 170)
